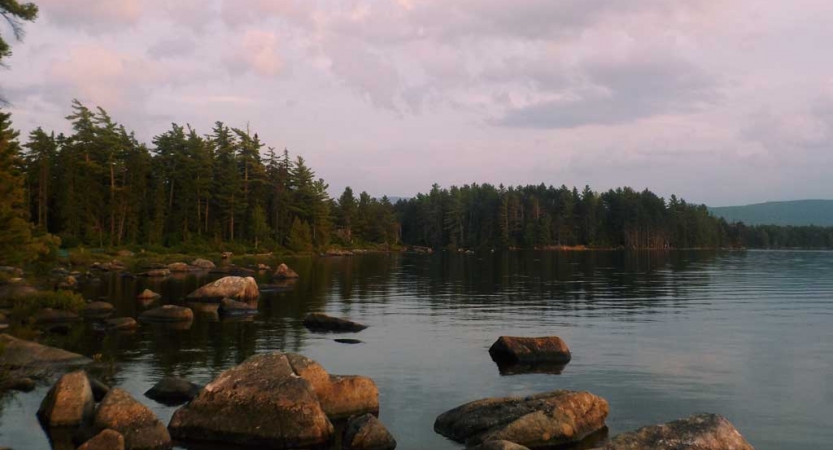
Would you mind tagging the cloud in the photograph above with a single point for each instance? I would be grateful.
(95, 15)
(256, 51)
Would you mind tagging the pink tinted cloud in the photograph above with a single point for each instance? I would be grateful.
(256, 51)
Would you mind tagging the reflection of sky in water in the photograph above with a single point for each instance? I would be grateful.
(747, 335)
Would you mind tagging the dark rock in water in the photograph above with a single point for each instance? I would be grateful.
(52, 316)
(366, 432)
(121, 324)
(348, 341)
(97, 310)
(24, 384)
(284, 272)
(141, 429)
(498, 445)
(106, 440)
(284, 286)
(229, 307)
(538, 421)
(550, 349)
(237, 288)
(323, 322)
(20, 353)
(168, 313)
(69, 403)
(260, 403)
(100, 389)
(173, 391)
(512, 368)
(700, 432)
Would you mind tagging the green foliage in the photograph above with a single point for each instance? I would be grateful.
(300, 236)
(15, 13)
(790, 213)
(62, 300)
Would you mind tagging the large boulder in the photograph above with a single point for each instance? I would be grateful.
(69, 403)
(168, 313)
(106, 440)
(97, 310)
(203, 264)
(120, 412)
(284, 273)
(323, 322)
(538, 421)
(699, 432)
(260, 403)
(173, 391)
(366, 432)
(340, 396)
(19, 353)
(550, 349)
(237, 288)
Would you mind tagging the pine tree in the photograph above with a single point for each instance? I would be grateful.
(300, 236)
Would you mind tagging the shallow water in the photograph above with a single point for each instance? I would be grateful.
(660, 335)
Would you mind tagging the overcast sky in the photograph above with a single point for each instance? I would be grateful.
(721, 102)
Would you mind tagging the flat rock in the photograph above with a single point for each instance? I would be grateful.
(106, 440)
(283, 272)
(260, 403)
(173, 391)
(51, 316)
(543, 420)
(98, 310)
(203, 264)
(699, 432)
(229, 307)
(20, 353)
(168, 313)
(147, 294)
(237, 288)
(121, 324)
(341, 396)
(366, 432)
(323, 322)
(550, 349)
(120, 412)
(69, 403)
(498, 445)
(348, 341)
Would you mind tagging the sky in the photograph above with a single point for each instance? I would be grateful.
(720, 102)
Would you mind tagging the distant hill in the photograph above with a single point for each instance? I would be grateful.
(798, 212)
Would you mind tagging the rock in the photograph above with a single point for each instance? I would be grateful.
(24, 384)
(323, 322)
(100, 389)
(16, 291)
(121, 324)
(112, 266)
(338, 252)
(69, 403)
(20, 353)
(498, 445)
(12, 271)
(168, 313)
(139, 426)
(281, 286)
(106, 440)
(148, 294)
(173, 391)
(284, 272)
(68, 282)
(549, 349)
(237, 288)
(179, 267)
(544, 420)
(203, 264)
(367, 433)
(51, 316)
(156, 273)
(340, 396)
(98, 310)
(226, 255)
(700, 432)
(348, 341)
(263, 267)
(125, 253)
(259, 403)
(229, 307)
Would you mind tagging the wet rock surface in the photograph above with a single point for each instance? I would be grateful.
(699, 432)
(106, 440)
(550, 349)
(173, 391)
(120, 412)
(323, 322)
(366, 432)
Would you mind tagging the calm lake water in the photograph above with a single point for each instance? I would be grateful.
(748, 335)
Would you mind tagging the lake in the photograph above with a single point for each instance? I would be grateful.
(661, 336)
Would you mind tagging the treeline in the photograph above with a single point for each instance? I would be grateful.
(485, 216)
(100, 186)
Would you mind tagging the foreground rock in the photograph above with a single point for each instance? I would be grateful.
(168, 313)
(203, 264)
(139, 426)
(284, 273)
(173, 391)
(366, 432)
(69, 403)
(323, 322)
(260, 403)
(20, 353)
(121, 324)
(340, 396)
(97, 310)
(237, 288)
(544, 420)
(106, 440)
(551, 349)
(700, 432)
(229, 307)
(498, 445)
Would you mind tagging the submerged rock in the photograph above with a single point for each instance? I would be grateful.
(699, 432)
(203, 264)
(168, 313)
(348, 341)
(260, 403)
(284, 272)
(238, 288)
(550, 349)
(20, 353)
(106, 440)
(69, 403)
(323, 322)
(544, 420)
(120, 412)
(173, 391)
(366, 432)
(229, 307)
